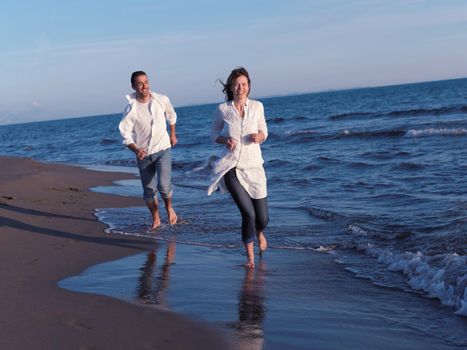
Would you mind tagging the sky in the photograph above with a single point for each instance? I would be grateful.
(72, 58)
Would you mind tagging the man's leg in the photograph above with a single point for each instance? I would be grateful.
(153, 207)
(164, 185)
(147, 172)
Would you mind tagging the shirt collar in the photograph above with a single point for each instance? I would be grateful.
(247, 102)
(132, 97)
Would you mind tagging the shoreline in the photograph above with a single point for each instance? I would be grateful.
(48, 231)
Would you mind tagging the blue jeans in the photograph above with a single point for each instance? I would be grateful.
(157, 164)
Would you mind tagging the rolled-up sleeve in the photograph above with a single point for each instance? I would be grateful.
(262, 121)
(217, 124)
(126, 126)
(170, 114)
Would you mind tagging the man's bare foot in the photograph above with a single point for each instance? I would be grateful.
(262, 242)
(156, 222)
(172, 216)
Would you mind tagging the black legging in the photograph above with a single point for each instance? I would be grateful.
(254, 211)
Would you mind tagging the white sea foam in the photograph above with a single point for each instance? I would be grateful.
(441, 276)
(300, 132)
(435, 132)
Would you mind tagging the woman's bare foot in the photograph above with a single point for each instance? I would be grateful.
(250, 265)
(250, 255)
(172, 216)
(262, 242)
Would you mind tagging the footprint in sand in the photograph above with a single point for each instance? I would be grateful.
(82, 325)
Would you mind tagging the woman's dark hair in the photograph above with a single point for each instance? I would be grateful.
(237, 72)
(136, 74)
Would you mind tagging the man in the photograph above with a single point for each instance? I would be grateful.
(144, 131)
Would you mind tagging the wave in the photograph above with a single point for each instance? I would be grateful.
(351, 115)
(415, 112)
(408, 166)
(276, 120)
(372, 133)
(194, 165)
(325, 214)
(300, 132)
(436, 132)
(311, 167)
(121, 162)
(277, 162)
(284, 119)
(429, 111)
(360, 231)
(442, 276)
(307, 135)
(207, 165)
(106, 141)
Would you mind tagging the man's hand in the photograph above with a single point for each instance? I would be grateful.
(173, 139)
(141, 153)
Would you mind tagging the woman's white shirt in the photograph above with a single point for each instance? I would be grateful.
(246, 156)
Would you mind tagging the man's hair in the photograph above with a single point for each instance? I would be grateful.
(136, 74)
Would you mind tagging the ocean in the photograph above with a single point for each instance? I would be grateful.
(374, 177)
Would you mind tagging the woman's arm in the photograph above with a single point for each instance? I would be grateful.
(262, 126)
(216, 130)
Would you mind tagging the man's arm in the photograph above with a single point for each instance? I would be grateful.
(173, 135)
(140, 153)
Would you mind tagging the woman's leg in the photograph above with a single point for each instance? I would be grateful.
(247, 210)
(262, 219)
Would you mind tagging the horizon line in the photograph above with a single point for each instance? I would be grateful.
(260, 97)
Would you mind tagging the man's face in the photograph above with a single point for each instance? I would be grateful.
(141, 86)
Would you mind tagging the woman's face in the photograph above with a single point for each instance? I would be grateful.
(240, 87)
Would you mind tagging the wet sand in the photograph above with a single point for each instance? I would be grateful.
(47, 233)
(292, 300)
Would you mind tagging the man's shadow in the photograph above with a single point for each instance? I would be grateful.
(35, 212)
(120, 242)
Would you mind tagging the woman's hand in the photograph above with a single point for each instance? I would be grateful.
(230, 144)
(257, 138)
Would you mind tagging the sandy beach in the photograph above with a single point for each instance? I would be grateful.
(66, 284)
(48, 232)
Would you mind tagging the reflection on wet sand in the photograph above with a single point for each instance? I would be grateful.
(251, 310)
(151, 289)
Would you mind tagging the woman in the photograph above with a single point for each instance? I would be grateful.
(240, 126)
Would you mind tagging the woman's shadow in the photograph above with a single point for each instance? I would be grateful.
(251, 310)
(151, 289)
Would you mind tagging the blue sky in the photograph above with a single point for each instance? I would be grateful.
(73, 58)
